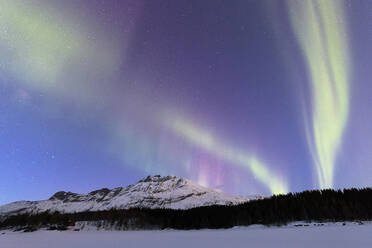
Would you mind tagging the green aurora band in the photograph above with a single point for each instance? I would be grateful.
(321, 33)
(201, 138)
(42, 50)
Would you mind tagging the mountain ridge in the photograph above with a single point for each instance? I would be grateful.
(151, 192)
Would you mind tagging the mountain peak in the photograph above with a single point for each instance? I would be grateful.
(159, 178)
(150, 192)
(62, 195)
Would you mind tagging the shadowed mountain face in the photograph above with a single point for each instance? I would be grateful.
(151, 192)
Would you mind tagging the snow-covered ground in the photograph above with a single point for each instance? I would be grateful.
(327, 236)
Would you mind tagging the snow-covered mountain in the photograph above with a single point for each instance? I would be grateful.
(151, 192)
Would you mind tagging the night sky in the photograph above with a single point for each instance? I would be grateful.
(249, 97)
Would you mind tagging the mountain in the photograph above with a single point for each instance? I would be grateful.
(151, 192)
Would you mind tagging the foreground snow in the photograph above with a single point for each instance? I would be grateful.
(327, 236)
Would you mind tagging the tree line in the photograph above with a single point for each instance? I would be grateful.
(316, 205)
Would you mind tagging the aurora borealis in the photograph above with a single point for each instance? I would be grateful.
(209, 143)
(319, 26)
(250, 97)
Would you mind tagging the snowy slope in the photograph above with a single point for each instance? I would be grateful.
(333, 236)
(152, 192)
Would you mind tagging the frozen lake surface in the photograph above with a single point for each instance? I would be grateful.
(328, 236)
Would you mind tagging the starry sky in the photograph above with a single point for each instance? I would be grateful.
(245, 96)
